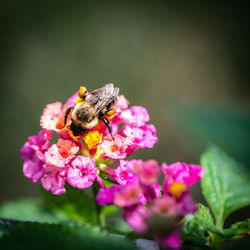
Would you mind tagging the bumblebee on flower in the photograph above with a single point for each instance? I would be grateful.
(91, 108)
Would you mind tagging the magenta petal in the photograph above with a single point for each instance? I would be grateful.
(114, 148)
(72, 100)
(106, 195)
(136, 218)
(181, 172)
(33, 170)
(172, 241)
(82, 172)
(142, 137)
(124, 173)
(135, 116)
(26, 151)
(121, 104)
(53, 179)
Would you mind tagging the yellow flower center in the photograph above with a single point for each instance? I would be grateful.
(177, 188)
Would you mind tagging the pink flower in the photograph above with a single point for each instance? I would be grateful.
(172, 241)
(54, 114)
(121, 104)
(53, 179)
(135, 116)
(124, 172)
(127, 195)
(82, 172)
(61, 154)
(164, 205)
(114, 148)
(52, 117)
(136, 218)
(33, 154)
(181, 173)
(148, 171)
(72, 100)
(186, 205)
(157, 189)
(141, 137)
(105, 196)
(33, 169)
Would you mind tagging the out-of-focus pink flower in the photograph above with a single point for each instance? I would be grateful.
(164, 205)
(127, 195)
(53, 179)
(148, 172)
(114, 148)
(157, 189)
(181, 173)
(61, 154)
(136, 218)
(135, 116)
(82, 172)
(186, 205)
(124, 172)
(105, 196)
(172, 241)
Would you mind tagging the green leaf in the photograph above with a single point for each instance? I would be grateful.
(192, 233)
(238, 229)
(29, 210)
(225, 184)
(199, 229)
(203, 218)
(60, 236)
(203, 214)
(78, 205)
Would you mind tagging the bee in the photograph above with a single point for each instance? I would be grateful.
(90, 108)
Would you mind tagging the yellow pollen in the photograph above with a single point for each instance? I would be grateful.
(81, 91)
(110, 114)
(92, 139)
(80, 95)
(177, 188)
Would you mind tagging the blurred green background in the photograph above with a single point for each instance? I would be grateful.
(187, 62)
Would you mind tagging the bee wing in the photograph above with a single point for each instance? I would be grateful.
(102, 97)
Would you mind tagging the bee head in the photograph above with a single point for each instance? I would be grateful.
(83, 114)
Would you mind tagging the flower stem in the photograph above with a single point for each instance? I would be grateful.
(100, 217)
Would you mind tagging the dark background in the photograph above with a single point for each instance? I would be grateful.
(186, 62)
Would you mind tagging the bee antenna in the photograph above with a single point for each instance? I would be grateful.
(67, 114)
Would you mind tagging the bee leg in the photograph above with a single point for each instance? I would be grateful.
(106, 122)
(67, 114)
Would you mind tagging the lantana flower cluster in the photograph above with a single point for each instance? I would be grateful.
(150, 209)
(80, 161)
